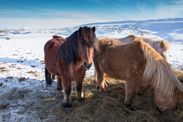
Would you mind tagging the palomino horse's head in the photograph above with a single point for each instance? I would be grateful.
(86, 45)
(165, 102)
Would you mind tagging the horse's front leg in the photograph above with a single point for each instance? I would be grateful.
(100, 81)
(66, 83)
(130, 92)
(100, 77)
(79, 76)
(141, 90)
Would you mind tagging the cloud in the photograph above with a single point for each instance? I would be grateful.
(46, 18)
(173, 9)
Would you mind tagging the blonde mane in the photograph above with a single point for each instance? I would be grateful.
(159, 71)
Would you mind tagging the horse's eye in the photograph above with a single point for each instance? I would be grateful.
(83, 43)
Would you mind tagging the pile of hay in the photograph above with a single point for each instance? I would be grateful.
(102, 107)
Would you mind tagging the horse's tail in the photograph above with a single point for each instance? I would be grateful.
(159, 71)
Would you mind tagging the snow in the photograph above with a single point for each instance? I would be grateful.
(22, 49)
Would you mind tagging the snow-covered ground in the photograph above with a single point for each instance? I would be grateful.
(21, 50)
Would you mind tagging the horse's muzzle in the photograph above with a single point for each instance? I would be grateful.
(87, 66)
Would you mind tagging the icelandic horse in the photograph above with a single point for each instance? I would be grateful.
(159, 44)
(140, 66)
(69, 59)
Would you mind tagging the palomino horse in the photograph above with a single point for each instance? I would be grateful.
(140, 66)
(68, 59)
(158, 44)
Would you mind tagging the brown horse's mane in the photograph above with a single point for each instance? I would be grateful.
(68, 51)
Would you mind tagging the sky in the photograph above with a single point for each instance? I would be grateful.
(66, 13)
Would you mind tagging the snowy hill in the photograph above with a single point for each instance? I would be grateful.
(165, 28)
(24, 47)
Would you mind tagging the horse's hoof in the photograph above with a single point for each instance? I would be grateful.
(175, 108)
(59, 88)
(97, 87)
(102, 90)
(81, 99)
(129, 107)
(140, 93)
(48, 85)
(66, 105)
(49, 82)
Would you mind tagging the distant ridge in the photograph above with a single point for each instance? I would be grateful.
(133, 21)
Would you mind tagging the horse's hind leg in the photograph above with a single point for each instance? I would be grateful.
(52, 76)
(48, 77)
(59, 83)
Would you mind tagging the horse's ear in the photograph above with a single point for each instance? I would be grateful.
(162, 44)
(93, 29)
(80, 30)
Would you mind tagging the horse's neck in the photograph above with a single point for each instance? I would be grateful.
(69, 50)
(71, 41)
(73, 36)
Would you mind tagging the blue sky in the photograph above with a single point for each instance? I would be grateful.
(62, 13)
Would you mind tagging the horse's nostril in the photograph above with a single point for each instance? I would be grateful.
(87, 66)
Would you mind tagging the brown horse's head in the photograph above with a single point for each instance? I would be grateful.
(86, 45)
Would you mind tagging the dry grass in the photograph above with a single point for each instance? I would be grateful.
(44, 104)
(102, 107)
(3, 69)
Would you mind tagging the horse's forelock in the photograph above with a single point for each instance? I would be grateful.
(88, 35)
(68, 50)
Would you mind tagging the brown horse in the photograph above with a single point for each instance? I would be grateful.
(68, 59)
(158, 44)
(140, 66)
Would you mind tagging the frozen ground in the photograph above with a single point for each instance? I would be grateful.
(22, 65)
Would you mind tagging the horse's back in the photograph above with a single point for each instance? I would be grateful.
(51, 50)
(127, 52)
(106, 42)
(128, 39)
(125, 58)
(54, 42)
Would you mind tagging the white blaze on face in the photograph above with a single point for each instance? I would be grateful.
(89, 55)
